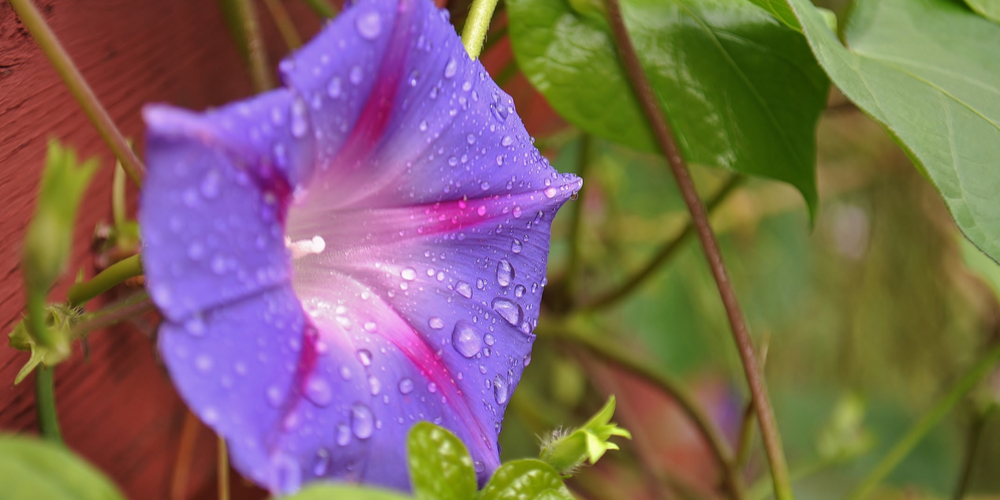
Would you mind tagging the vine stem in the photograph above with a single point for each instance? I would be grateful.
(246, 14)
(45, 403)
(112, 314)
(284, 22)
(223, 470)
(667, 142)
(668, 250)
(576, 223)
(476, 26)
(82, 92)
(118, 272)
(920, 429)
(611, 353)
(322, 8)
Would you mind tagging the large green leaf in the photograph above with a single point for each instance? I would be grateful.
(345, 492)
(741, 89)
(527, 478)
(929, 70)
(989, 9)
(440, 466)
(30, 468)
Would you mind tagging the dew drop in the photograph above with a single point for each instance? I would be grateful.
(519, 291)
(370, 327)
(500, 390)
(369, 25)
(333, 89)
(516, 246)
(195, 326)
(355, 75)
(464, 289)
(273, 396)
(210, 184)
(505, 272)
(489, 339)
(408, 274)
(471, 139)
(405, 386)
(451, 68)
(318, 391)
(423, 126)
(374, 385)
(550, 192)
(343, 435)
(465, 340)
(508, 310)
(506, 141)
(362, 421)
(435, 323)
(365, 357)
(299, 124)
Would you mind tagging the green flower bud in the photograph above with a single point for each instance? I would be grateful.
(567, 450)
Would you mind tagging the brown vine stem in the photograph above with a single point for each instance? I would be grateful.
(665, 138)
(667, 251)
(612, 353)
(82, 92)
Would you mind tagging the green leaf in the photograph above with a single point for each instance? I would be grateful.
(990, 9)
(440, 466)
(780, 10)
(981, 265)
(929, 70)
(30, 468)
(345, 492)
(741, 89)
(528, 478)
(566, 450)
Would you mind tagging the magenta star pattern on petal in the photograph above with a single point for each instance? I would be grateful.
(351, 254)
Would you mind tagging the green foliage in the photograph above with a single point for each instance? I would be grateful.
(59, 320)
(40, 470)
(989, 9)
(928, 71)
(345, 492)
(50, 234)
(440, 466)
(567, 450)
(741, 90)
(526, 478)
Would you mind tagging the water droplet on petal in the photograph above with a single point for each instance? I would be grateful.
(405, 386)
(436, 323)
(550, 192)
(362, 421)
(505, 272)
(465, 339)
(408, 274)
(506, 141)
(287, 474)
(333, 89)
(451, 68)
(464, 289)
(375, 385)
(299, 124)
(210, 184)
(274, 396)
(343, 435)
(508, 310)
(195, 326)
(519, 291)
(356, 75)
(500, 389)
(318, 391)
(489, 339)
(516, 246)
(365, 357)
(423, 125)
(369, 25)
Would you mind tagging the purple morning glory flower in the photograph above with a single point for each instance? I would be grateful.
(360, 250)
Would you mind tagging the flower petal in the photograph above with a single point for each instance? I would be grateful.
(393, 196)
(213, 209)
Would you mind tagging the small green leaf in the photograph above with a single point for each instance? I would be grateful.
(31, 468)
(527, 478)
(990, 9)
(345, 492)
(742, 90)
(929, 71)
(440, 466)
